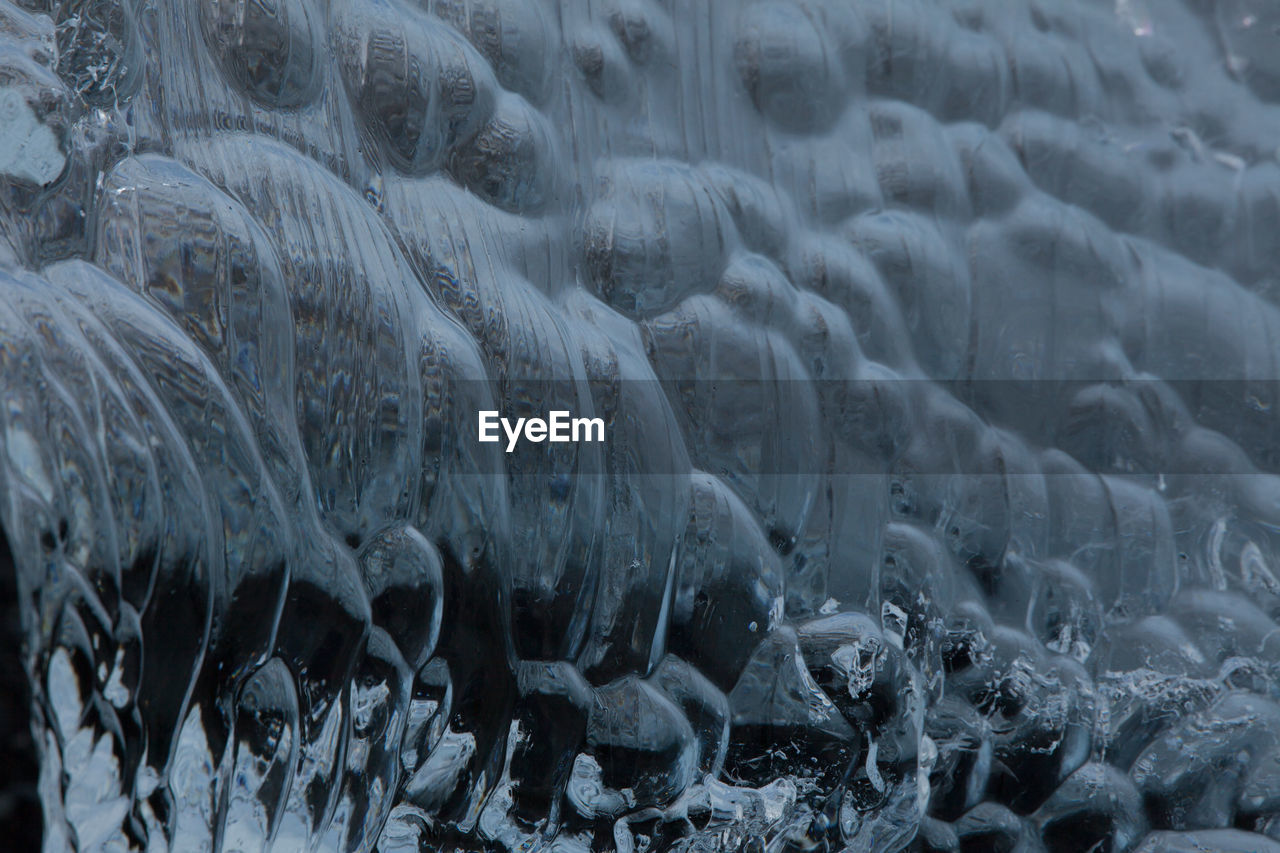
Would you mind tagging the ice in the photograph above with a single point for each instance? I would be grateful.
(936, 348)
(31, 150)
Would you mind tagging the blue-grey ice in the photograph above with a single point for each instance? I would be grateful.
(936, 347)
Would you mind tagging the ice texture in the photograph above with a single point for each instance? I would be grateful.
(938, 348)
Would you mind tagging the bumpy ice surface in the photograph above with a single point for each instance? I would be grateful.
(937, 348)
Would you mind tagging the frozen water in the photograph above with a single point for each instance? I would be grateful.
(936, 344)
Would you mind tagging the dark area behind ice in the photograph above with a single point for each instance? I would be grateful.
(936, 344)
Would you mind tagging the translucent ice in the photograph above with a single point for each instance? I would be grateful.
(936, 346)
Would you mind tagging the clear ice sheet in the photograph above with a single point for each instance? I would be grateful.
(937, 348)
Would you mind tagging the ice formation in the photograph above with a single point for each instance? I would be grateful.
(936, 345)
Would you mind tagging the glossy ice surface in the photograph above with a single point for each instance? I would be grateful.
(938, 346)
